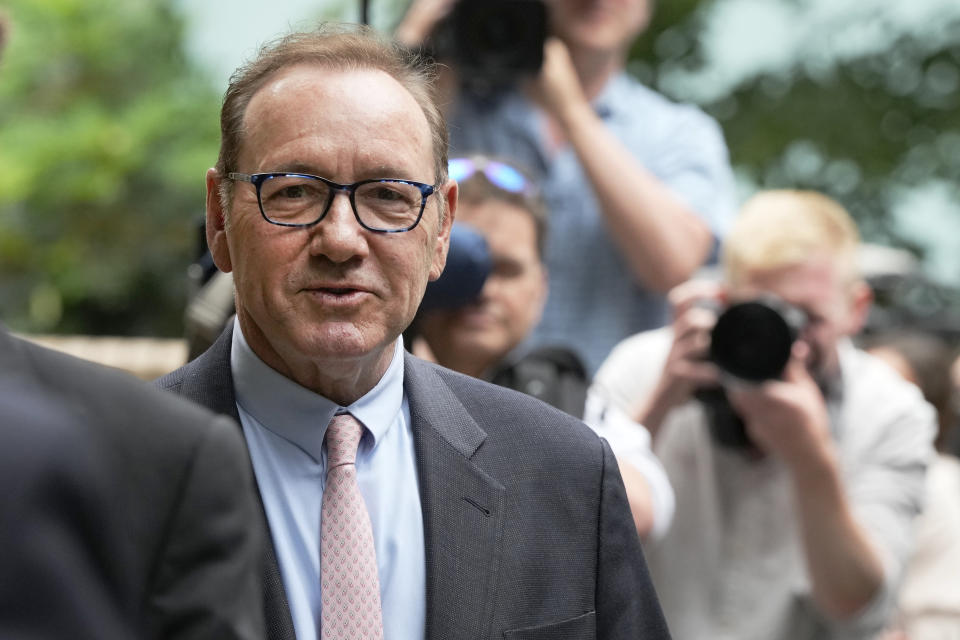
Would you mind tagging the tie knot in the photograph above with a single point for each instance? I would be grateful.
(343, 438)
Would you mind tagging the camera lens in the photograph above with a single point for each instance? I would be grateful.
(494, 34)
(752, 340)
(497, 41)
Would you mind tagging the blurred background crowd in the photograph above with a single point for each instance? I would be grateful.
(115, 104)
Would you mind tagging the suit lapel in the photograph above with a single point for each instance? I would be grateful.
(208, 380)
(462, 505)
(462, 508)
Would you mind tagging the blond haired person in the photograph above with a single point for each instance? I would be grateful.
(802, 534)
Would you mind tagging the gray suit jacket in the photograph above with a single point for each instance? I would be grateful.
(527, 529)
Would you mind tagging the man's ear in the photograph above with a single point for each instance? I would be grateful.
(217, 223)
(861, 299)
(449, 194)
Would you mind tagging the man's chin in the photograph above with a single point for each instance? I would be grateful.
(342, 340)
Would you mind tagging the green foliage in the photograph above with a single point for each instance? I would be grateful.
(863, 127)
(106, 128)
(105, 132)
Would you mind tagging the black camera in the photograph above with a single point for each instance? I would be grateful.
(751, 341)
(469, 264)
(493, 42)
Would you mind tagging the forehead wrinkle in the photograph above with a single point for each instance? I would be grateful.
(371, 126)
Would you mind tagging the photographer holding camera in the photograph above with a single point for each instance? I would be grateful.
(482, 336)
(800, 527)
(639, 189)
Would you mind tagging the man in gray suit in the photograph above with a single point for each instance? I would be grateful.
(489, 513)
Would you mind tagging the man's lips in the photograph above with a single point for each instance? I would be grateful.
(336, 290)
(337, 293)
(335, 286)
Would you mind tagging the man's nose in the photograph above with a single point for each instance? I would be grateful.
(339, 235)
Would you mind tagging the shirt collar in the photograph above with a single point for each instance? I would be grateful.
(300, 415)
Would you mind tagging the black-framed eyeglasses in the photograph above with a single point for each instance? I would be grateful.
(303, 200)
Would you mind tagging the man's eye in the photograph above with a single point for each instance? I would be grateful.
(289, 191)
(386, 194)
(293, 191)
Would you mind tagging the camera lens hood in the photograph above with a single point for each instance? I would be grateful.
(752, 340)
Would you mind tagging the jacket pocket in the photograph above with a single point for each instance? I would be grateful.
(582, 627)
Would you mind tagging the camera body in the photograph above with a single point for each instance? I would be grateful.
(751, 341)
(493, 42)
(469, 264)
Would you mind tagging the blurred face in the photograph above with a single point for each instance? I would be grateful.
(598, 25)
(333, 296)
(512, 298)
(835, 307)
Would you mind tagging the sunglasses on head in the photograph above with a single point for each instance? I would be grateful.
(498, 173)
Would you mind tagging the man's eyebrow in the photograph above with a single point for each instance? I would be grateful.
(379, 172)
(386, 171)
(297, 167)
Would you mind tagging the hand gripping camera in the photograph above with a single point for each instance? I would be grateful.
(751, 342)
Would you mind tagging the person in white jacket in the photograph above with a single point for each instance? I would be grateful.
(802, 530)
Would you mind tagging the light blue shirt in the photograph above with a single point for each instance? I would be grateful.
(595, 300)
(284, 425)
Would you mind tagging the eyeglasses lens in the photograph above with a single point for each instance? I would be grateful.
(460, 169)
(505, 177)
(499, 174)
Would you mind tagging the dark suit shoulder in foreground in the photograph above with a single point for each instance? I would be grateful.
(155, 491)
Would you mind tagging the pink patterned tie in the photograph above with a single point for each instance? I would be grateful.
(349, 586)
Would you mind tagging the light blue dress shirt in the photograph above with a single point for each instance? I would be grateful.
(284, 425)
